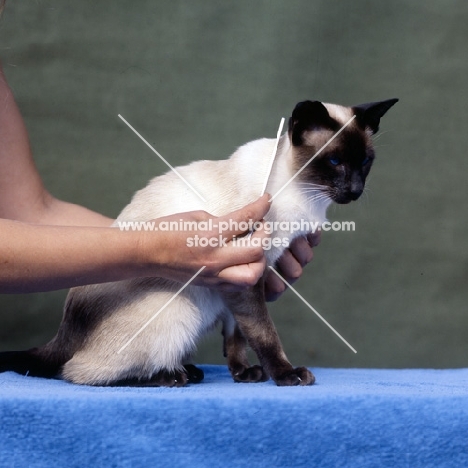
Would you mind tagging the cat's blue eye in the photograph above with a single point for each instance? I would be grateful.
(365, 161)
(334, 161)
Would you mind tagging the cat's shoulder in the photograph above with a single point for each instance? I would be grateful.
(253, 152)
(262, 144)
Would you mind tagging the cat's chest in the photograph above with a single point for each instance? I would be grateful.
(288, 219)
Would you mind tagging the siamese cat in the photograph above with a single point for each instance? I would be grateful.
(100, 319)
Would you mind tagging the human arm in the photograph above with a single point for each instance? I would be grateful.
(48, 244)
(23, 196)
(42, 257)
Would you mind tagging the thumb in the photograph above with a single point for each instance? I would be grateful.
(233, 222)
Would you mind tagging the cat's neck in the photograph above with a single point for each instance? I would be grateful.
(292, 198)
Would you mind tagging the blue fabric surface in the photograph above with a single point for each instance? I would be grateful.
(351, 417)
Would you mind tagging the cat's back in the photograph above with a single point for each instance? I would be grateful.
(217, 187)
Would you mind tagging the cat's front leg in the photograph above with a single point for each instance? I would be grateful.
(235, 351)
(250, 311)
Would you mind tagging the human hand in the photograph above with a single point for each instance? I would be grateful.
(291, 264)
(228, 267)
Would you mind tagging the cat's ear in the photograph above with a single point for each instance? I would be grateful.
(369, 115)
(307, 115)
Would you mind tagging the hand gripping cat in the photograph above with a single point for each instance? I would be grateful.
(100, 319)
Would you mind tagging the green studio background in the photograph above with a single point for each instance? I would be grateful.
(199, 78)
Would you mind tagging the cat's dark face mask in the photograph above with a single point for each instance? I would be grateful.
(337, 155)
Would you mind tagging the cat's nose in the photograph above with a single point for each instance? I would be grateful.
(355, 190)
(355, 187)
(354, 194)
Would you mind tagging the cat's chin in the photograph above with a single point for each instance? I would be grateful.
(345, 199)
(342, 201)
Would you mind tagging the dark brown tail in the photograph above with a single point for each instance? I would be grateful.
(29, 362)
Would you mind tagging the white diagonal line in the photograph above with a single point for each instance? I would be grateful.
(273, 155)
(313, 157)
(314, 311)
(162, 159)
(160, 310)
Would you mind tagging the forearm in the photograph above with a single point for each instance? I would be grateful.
(44, 258)
(60, 213)
(36, 257)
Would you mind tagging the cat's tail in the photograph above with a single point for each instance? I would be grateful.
(31, 362)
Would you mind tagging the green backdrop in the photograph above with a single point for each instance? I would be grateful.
(199, 78)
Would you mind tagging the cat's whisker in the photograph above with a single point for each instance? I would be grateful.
(313, 194)
(317, 186)
(312, 183)
(310, 193)
(379, 135)
(313, 191)
(318, 198)
(363, 197)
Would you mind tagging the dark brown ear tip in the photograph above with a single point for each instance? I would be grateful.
(369, 114)
(308, 106)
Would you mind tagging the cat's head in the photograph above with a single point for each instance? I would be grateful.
(342, 157)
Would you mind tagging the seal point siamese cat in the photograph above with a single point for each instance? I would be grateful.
(99, 319)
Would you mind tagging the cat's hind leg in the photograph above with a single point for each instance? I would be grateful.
(194, 373)
(139, 346)
(163, 378)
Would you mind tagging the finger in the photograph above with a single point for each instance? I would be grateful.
(314, 238)
(259, 234)
(289, 267)
(301, 250)
(242, 252)
(253, 212)
(219, 285)
(246, 275)
(274, 287)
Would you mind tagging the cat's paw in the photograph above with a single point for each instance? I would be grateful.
(194, 374)
(167, 378)
(249, 374)
(163, 378)
(297, 376)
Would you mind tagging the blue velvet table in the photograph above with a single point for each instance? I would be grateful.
(351, 417)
